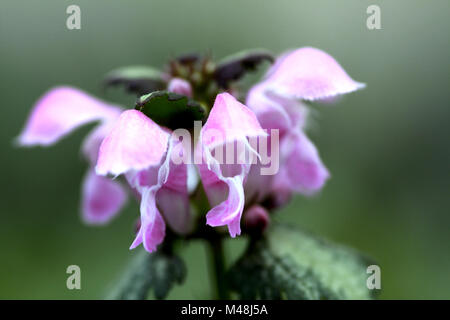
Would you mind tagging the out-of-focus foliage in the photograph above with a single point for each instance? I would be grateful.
(136, 79)
(293, 264)
(234, 67)
(158, 271)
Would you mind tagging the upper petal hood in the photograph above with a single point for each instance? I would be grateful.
(134, 143)
(60, 111)
(310, 74)
(229, 120)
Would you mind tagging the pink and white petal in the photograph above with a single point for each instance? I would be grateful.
(175, 207)
(229, 212)
(310, 74)
(173, 198)
(230, 124)
(302, 167)
(223, 184)
(277, 63)
(144, 178)
(153, 228)
(177, 177)
(274, 111)
(260, 179)
(135, 143)
(296, 110)
(60, 111)
(257, 186)
(102, 198)
(216, 190)
(162, 187)
(91, 144)
(228, 121)
(270, 114)
(213, 168)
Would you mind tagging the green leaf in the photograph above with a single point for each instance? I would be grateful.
(159, 271)
(235, 66)
(170, 109)
(294, 264)
(136, 79)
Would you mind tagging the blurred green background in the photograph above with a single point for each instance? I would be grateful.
(387, 146)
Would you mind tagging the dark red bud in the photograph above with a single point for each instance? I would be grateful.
(256, 219)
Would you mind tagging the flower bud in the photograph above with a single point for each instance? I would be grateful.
(180, 86)
(256, 219)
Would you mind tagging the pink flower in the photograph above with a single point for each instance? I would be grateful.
(229, 125)
(59, 112)
(302, 74)
(131, 144)
(142, 150)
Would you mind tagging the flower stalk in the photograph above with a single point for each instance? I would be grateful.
(218, 270)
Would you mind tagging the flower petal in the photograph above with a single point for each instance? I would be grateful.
(91, 144)
(216, 190)
(174, 206)
(229, 125)
(274, 111)
(269, 113)
(228, 121)
(163, 188)
(135, 143)
(229, 212)
(60, 111)
(153, 228)
(257, 186)
(301, 166)
(310, 74)
(173, 198)
(102, 198)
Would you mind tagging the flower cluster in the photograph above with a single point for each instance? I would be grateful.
(131, 144)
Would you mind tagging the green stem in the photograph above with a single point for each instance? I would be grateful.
(218, 267)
